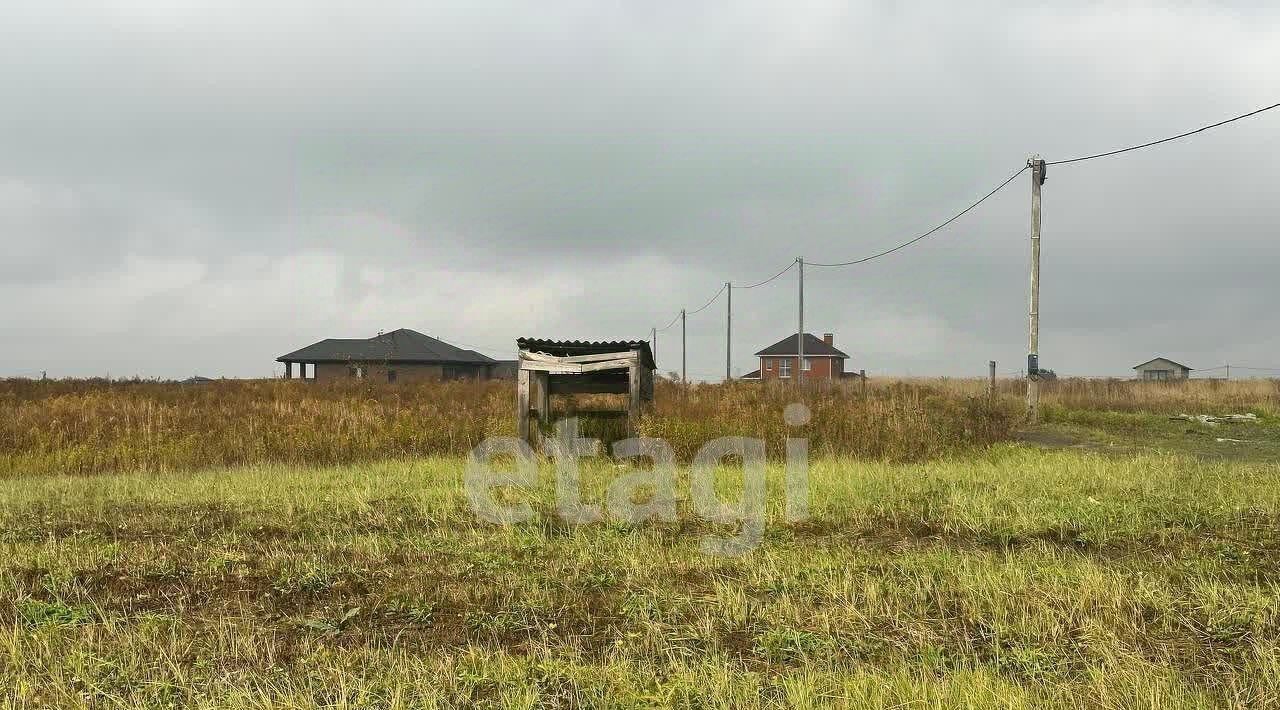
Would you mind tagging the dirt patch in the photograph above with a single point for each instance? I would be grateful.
(1057, 439)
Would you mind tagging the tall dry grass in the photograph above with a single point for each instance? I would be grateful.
(81, 427)
(1259, 396)
(1199, 396)
(896, 421)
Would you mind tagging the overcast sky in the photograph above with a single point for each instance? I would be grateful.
(199, 187)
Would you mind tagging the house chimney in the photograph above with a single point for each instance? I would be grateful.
(828, 338)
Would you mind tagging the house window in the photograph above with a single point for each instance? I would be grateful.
(808, 364)
(784, 368)
(391, 375)
(768, 364)
(1158, 374)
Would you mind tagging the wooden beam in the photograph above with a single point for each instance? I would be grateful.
(522, 404)
(572, 368)
(585, 384)
(634, 390)
(595, 357)
(544, 397)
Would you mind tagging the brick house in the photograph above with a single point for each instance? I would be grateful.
(822, 360)
(402, 355)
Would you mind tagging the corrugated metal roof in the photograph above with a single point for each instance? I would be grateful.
(402, 345)
(569, 348)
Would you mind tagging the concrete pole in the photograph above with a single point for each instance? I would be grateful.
(991, 387)
(684, 351)
(728, 332)
(1033, 317)
(800, 332)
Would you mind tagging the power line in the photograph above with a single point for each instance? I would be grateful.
(1163, 140)
(707, 305)
(771, 278)
(722, 288)
(908, 243)
(970, 208)
(668, 326)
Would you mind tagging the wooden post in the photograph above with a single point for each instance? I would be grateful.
(1033, 316)
(991, 387)
(862, 375)
(543, 396)
(522, 403)
(634, 390)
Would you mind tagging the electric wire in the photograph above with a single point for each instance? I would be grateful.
(973, 206)
(706, 305)
(1163, 140)
(909, 242)
(722, 288)
(668, 326)
(771, 278)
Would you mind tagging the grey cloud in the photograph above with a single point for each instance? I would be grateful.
(404, 144)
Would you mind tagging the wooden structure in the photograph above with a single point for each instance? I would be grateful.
(1162, 369)
(550, 367)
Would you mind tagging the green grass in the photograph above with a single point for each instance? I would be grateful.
(1012, 578)
(1128, 432)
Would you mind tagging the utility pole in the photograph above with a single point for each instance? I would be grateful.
(1228, 371)
(728, 332)
(684, 346)
(800, 333)
(653, 344)
(991, 388)
(1037, 165)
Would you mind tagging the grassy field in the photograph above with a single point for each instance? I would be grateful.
(979, 575)
(82, 427)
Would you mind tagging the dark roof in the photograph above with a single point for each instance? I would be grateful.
(402, 345)
(1148, 362)
(813, 345)
(569, 348)
(753, 375)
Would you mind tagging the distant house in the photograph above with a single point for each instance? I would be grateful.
(822, 360)
(1161, 369)
(399, 356)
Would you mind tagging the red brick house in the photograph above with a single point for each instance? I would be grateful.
(822, 360)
